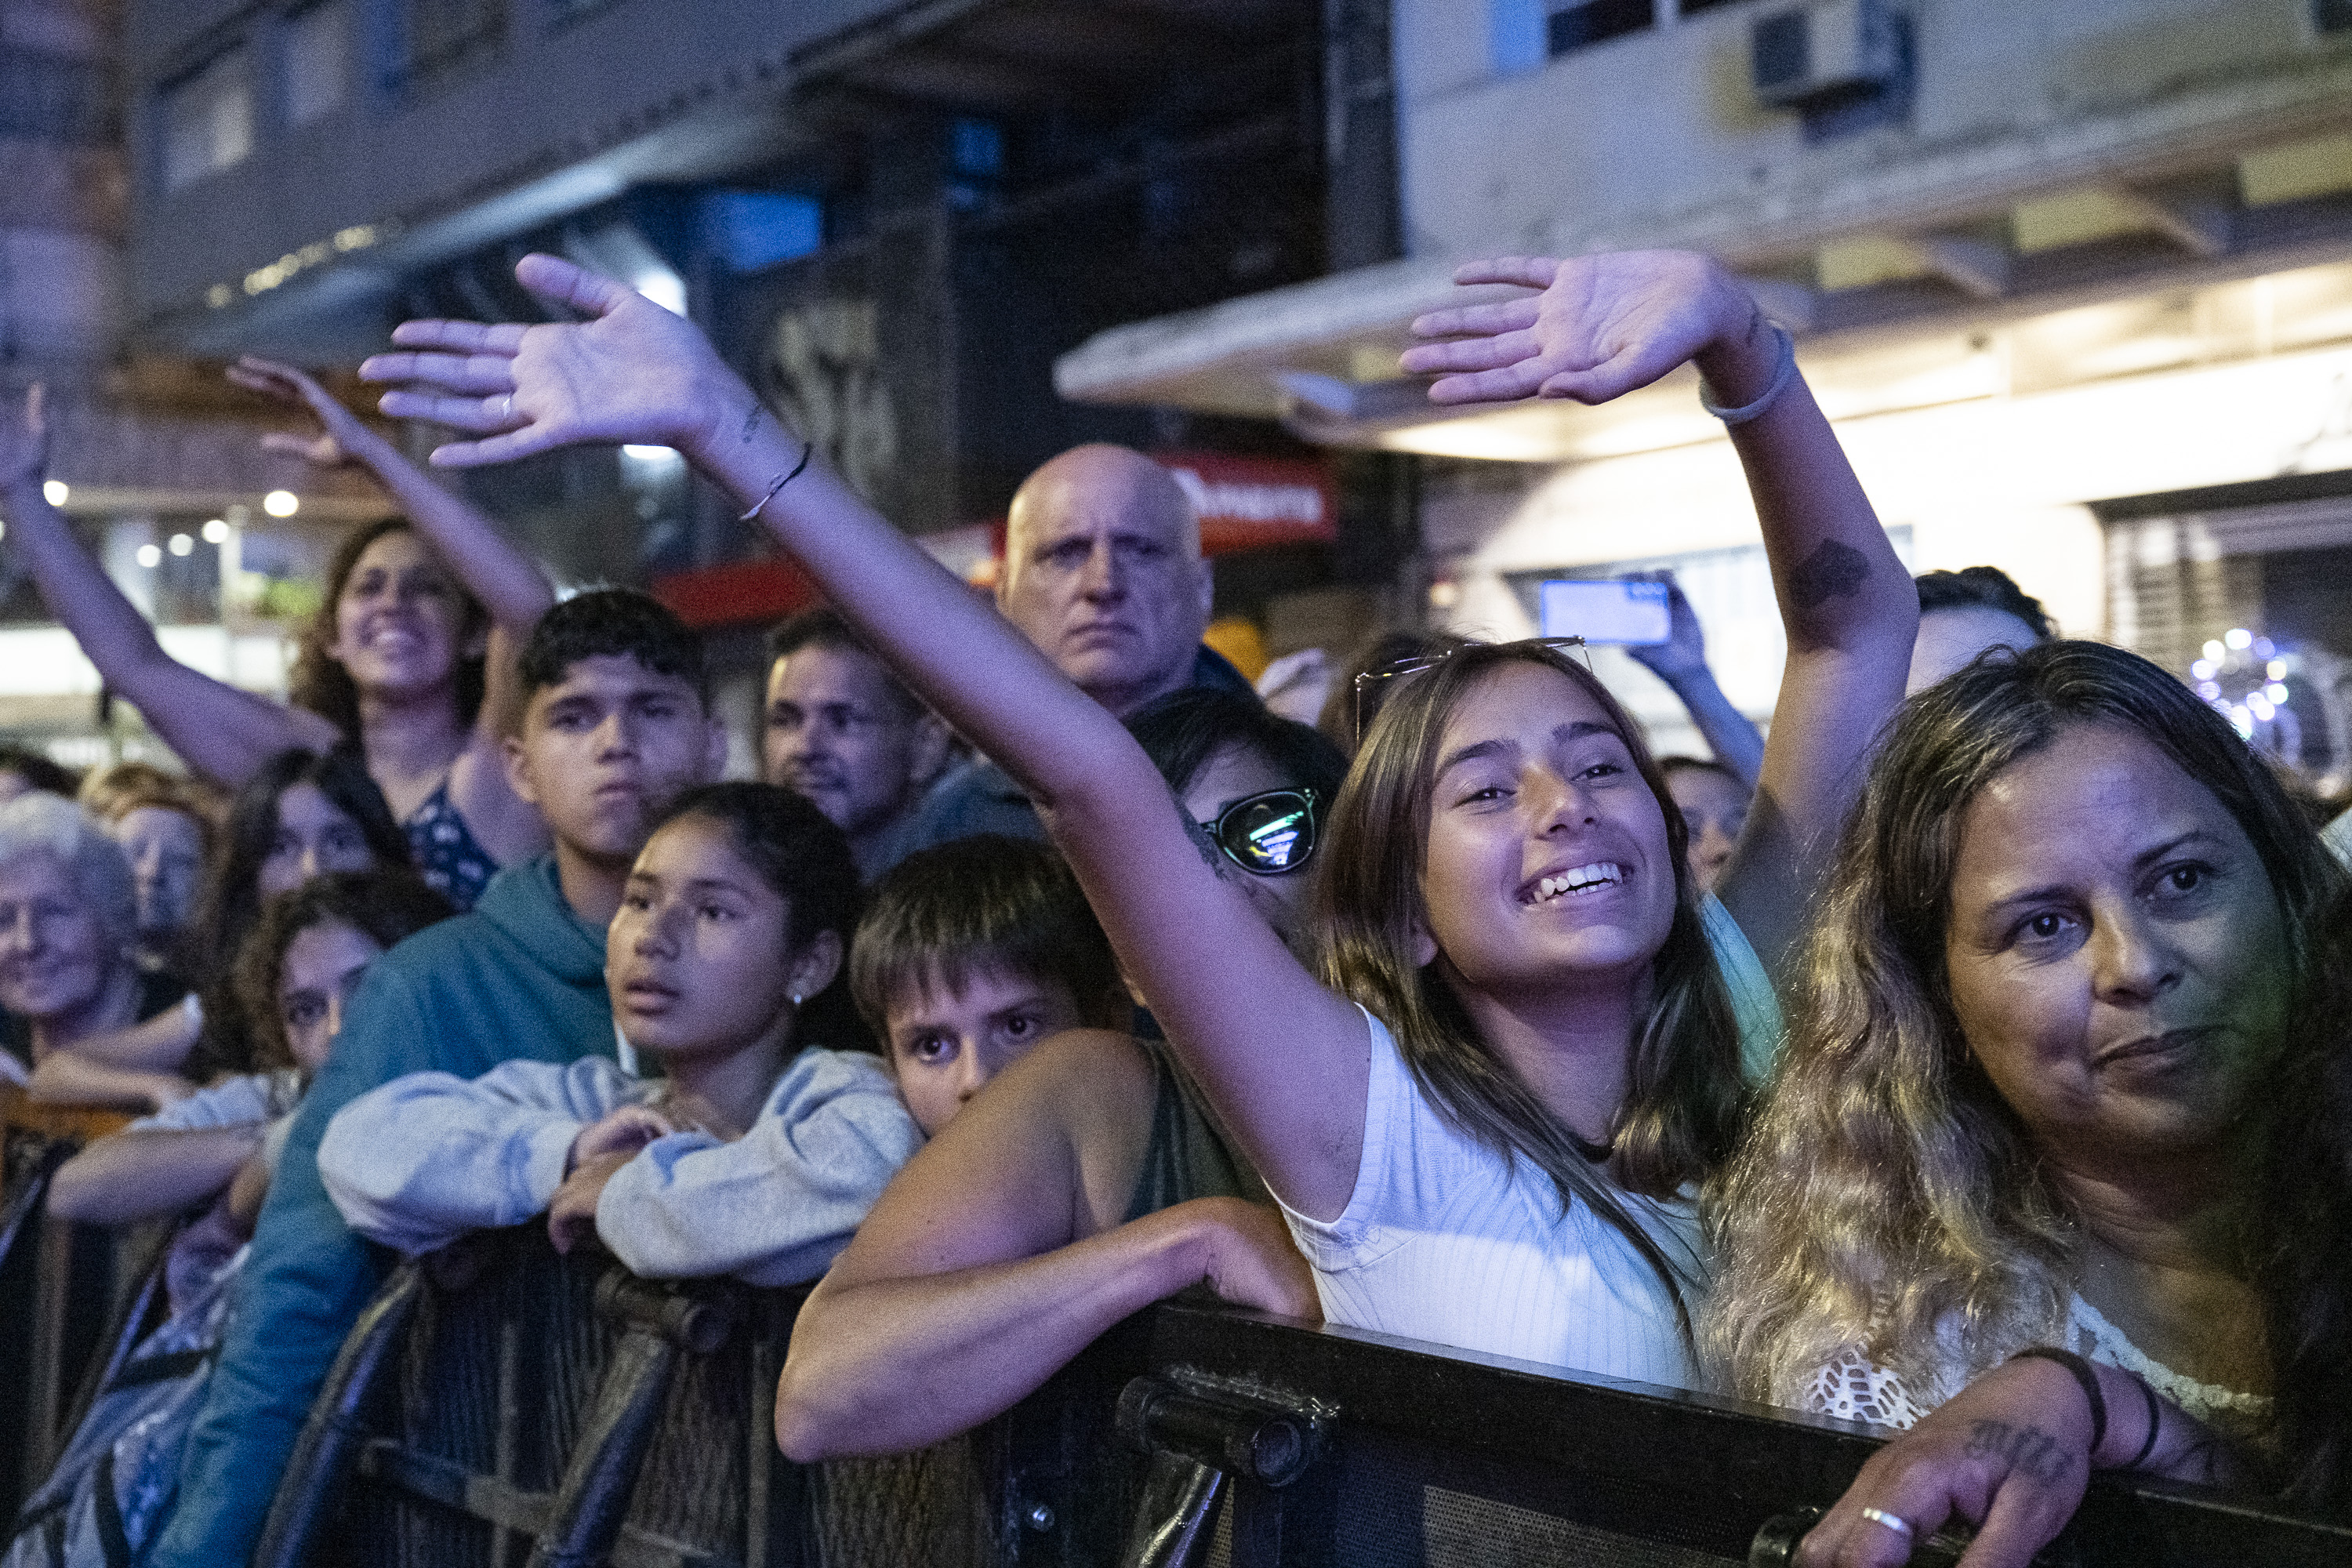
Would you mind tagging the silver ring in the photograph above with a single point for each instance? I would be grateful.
(506, 409)
(1894, 1521)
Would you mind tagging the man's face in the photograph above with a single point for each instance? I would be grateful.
(1103, 573)
(605, 750)
(841, 732)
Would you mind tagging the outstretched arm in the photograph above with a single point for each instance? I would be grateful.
(159, 1043)
(1601, 326)
(1681, 662)
(222, 732)
(137, 1176)
(998, 1254)
(69, 1078)
(509, 585)
(1287, 1061)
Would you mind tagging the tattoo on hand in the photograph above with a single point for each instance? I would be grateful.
(2029, 1451)
(1834, 571)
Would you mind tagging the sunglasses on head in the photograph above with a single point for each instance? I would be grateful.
(1369, 692)
(1267, 835)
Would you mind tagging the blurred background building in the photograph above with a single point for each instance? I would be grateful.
(2075, 279)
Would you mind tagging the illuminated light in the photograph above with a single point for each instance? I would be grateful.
(2238, 637)
(2277, 670)
(2275, 693)
(663, 286)
(2261, 709)
(2216, 652)
(649, 454)
(182, 544)
(2243, 722)
(1444, 595)
(2264, 647)
(2203, 669)
(282, 503)
(2209, 689)
(150, 557)
(359, 236)
(220, 295)
(215, 532)
(55, 492)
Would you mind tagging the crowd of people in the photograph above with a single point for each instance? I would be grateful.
(1964, 1057)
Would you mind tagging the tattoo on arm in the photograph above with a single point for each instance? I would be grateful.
(1834, 571)
(2029, 1451)
(751, 423)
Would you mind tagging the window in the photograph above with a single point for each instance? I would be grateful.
(208, 118)
(434, 36)
(1578, 26)
(48, 98)
(317, 61)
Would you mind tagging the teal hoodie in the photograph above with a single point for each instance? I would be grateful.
(521, 977)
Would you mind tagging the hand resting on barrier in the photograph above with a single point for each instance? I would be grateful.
(2012, 1454)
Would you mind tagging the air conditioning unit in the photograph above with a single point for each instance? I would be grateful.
(1823, 51)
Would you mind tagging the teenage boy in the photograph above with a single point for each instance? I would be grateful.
(615, 726)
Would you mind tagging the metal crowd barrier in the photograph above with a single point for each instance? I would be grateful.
(500, 1404)
(1344, 1447)
(69, 1293)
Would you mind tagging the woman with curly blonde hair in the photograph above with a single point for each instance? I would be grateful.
(2060, 943)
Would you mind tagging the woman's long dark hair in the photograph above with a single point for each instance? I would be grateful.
(805, 860)
(232, 899)
(1682, 1099)
(318, 680)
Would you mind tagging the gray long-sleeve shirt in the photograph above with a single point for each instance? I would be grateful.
(422, 1160)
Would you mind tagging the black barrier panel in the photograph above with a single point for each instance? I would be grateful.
(68, 1295)
(1433, 1458)
(499, 1403)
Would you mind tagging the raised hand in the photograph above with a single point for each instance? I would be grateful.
(340, 429)
(630, 372)
(1684, 650)
(24, 442)
(1599, 327)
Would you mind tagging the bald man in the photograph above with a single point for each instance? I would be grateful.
(1102, 572)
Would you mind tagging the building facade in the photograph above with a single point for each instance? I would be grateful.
(2075, 282)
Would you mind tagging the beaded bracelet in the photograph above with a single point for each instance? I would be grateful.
(1783, 374)
(2083, 1374)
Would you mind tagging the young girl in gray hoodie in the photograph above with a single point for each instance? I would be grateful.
(758, 1151)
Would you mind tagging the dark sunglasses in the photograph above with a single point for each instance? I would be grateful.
(1269, 835)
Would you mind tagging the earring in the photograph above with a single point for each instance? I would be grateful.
(796, 997)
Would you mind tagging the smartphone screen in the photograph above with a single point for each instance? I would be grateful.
(1606, 611)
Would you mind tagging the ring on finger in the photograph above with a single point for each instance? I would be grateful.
(506, 409)
(1894, 1521)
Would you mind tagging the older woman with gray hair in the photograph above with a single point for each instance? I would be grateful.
(68, 964)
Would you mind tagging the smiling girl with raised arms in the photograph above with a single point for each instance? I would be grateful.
(1487, 1113)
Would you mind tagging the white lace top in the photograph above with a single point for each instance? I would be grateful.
(1860, 1389)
